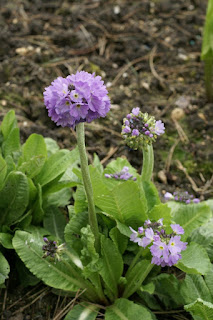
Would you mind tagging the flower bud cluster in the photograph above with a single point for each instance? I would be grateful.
(51, 249)
(122, 175)
(165, 248)
(139, 129)
(184, 197)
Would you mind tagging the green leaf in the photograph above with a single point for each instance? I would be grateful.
(12, 144)
(125, 202)
(124, 309)
(73, 231)
(151, 194)
(160, 211)
(33, 166)
(210, 204)
(32, 191)
(80, 204)
(54, 222)
(200, 309)
(118, 164)
(136, 276)
(209, 280)
(97, 163)
(191, 216)
(57, 199)
(6, 240)
(83, 311)
(14, 198)
(89, 257)
(4, 269)
(10, 164)
(167, 288)
(123, 229)
(3, 171)
(9, 122)
(119, 239)
(51, 146)
(56, 274)
(149, 287)
(193, 287)
(34, 146)
(38, 212)
(149, 300)
(52, 188)
(54, 167)
(112, 264)
(204, 237)
(194, 260)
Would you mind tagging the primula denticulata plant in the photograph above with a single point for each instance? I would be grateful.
(123, 252)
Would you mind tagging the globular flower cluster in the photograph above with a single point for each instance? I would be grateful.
(165, 248)
(139, 129)
(122, 175)
(80, 97)
(51, 249)
(184, 197)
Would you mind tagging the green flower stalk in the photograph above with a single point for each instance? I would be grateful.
(207, 51)
(87, 183)
(140, 130)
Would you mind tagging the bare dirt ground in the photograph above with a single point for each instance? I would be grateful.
(148, 53)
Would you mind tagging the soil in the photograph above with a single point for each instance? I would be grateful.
(148, 54)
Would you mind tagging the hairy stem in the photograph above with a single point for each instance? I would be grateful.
(148, 163)
(87, 184)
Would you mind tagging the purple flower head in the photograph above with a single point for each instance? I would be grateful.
(80, 97)
(107, 175)
(165, 248)
(159, 127)
(196, 200)
(139, 129)
(177, 229)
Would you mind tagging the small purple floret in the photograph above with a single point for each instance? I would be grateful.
(135, 132)
(177, 229)
(127, 129)
(135, 111)
(159, 127)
